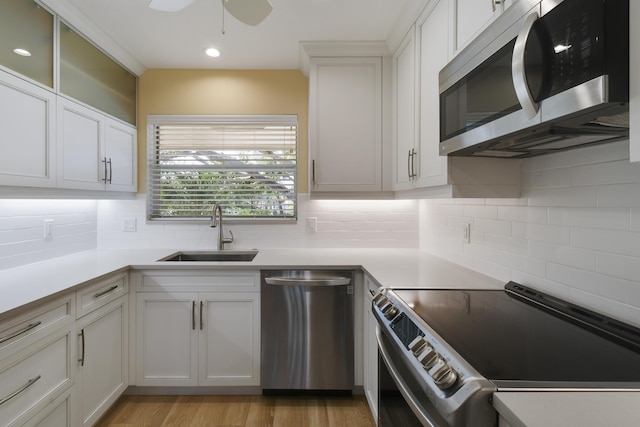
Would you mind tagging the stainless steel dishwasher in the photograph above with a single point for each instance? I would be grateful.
(307, 331)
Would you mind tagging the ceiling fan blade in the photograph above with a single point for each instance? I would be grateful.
(251, 12)
(169, 5)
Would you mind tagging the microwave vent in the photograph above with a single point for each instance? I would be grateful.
(617, 120)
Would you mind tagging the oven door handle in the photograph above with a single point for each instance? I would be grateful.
(518, 72)
(411, 400)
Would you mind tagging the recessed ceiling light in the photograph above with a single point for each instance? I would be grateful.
(22, 52)
(212, 52)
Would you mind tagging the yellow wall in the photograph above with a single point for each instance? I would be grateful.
(162, 91)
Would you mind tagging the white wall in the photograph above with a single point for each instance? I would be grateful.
(574, 233)
(344, 223)
(22, 229)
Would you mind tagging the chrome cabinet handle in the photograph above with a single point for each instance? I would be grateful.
(313, 172)
(409, 164)
(20, 332)
(20, 390)
(519, 76)
(371, 292)
(99, 294)
(201, 320)
(494, 3)
(81, 360)
(413, 163)
(193, 315)
(104, 160)
(110, 170)
(287, 281)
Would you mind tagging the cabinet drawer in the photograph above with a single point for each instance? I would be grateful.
(29, 382)
(154, 281)
(55, 414)
(98, 294)
(17, 332)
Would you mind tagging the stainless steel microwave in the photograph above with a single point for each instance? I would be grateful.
(545, 76)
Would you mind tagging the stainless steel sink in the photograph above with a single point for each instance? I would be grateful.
(211, 256)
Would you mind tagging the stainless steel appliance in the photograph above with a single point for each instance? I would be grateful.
(443, 353)
(307, 331)
(546, 76)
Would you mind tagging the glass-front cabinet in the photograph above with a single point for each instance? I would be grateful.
(90, 76)
(26, 40)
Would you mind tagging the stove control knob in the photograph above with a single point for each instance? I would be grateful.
(428, 357)
(378, 299)
(417, 345)
(443, 375)
(390, 311)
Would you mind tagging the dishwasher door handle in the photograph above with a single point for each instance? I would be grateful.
(292, 281)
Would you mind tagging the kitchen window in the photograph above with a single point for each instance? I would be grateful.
(246, 164)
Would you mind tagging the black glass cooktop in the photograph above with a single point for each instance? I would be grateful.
(515, 341)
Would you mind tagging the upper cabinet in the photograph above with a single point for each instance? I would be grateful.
(345, 124)
(67, 110)
(634, 82)
(26, 40)
(418, 59)
(90, 76)
(27, 133)
(348, 118)
(473, 16)
(95, 152)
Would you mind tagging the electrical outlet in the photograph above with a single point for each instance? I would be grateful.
(312, 224)
(466, 232)
(48, 229)
(129, 224)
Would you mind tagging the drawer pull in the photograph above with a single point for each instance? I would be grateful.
(371, 292)
(20, 332)
(99, 294)
(20, 390)
(81, 335)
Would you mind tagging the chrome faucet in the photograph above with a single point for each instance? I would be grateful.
(216, 218)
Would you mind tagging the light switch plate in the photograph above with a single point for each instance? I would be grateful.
(312, 224)
(129, 224)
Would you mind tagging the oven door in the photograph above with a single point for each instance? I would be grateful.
(401, 399)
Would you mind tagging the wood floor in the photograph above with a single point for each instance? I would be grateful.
(239, 411)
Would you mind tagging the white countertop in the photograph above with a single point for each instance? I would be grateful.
(568, 409)
(389, 267)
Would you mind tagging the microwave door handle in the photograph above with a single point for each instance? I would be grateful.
(518, 72)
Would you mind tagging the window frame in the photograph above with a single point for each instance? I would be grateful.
(154, 120)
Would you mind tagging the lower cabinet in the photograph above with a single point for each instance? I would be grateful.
(102, 360)
(198, 339)
(370, 349)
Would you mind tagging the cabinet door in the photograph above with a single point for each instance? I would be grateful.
(434, 54)
(166, 339)
(370, 351)
(121, 153)
(103, 359)
(229, 342)
(27, 133)
(405, 98)
(345, 124)
(80, 157)
(472, 16)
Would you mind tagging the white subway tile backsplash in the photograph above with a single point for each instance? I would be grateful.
(340, 223)
(22, 229)
(574, 233)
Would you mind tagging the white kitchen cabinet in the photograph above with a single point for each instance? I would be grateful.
(228, 339)
(473, 16)
(95, 152)
(197, 328)
(35, 359)
(102, 359)
(405, 110)
(434, 175)
(370, 348)
(345, 124)
(27, 133)
(58, 413)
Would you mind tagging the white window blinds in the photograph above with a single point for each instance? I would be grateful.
(246, 164)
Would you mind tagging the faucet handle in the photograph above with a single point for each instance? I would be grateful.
(228, 239)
